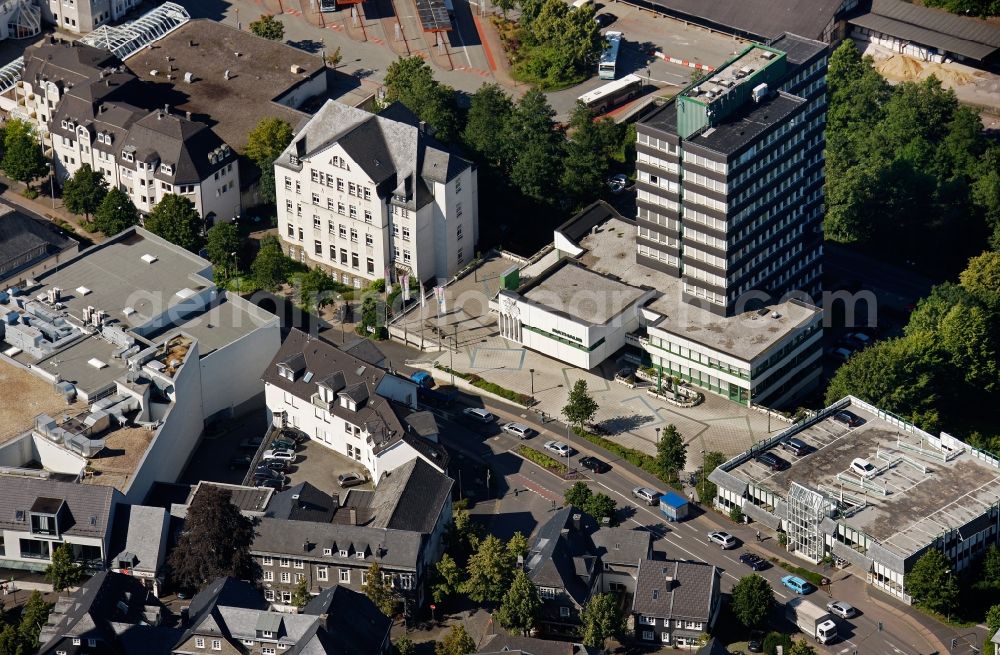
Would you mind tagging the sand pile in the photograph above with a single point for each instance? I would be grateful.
(948, 76)
(898, 67)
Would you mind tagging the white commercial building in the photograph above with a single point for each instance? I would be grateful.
(135, 327)
(589, 298)
(350, 406)
(359, 194)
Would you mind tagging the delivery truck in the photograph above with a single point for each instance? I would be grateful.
(812, 620)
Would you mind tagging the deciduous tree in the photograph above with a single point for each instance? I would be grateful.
(991, 568)
(115, 213)
(22, 153)
(602, 619)
(33, 617)
(931, 582)
(588, 154)
(300, 595)
(521, 605)
(581, 407)
(84, 192)
(267, 139)
(215, 542)
(706, 488)
(447, 579)
(456, 642)
(752, 600)
(380, 591)
(63, 572)
(485, 126)
(534, 156)
(671, 453)
(488, 571)
(410, 80)
(578, 495)
(270, 267)
(175, 219)
(268, 27)
(222, 246)
(801, 647)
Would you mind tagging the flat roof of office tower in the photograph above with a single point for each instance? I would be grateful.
(610, 250)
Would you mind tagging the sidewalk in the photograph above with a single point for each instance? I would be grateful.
(43, 207)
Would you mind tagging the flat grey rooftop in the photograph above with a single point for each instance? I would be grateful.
(747, 124)
(904, 508)
(583, 294)
(611, 250)
(117, 277)
(225, 322)
(72, 364)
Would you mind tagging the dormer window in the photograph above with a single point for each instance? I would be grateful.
(293, 160)
(166, 169)
(127, 155)
(344, 553)
(360, 554)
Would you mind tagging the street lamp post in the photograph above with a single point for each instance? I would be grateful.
(657, 435)
(532, 371)
(701, 484)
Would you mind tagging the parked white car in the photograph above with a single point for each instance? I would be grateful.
(863, 467)
(519, 430)
(286, 456)
(479, 414)
(558, 447)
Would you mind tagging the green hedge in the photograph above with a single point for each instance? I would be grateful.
(634, 457)
(480, 383)
(805, 574)
(542, 460)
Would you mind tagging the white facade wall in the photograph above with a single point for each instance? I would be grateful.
(539, 329)
(83, 16)
(347, 438)
(217, 194)
(230, 376)
(318, 212)
(12, 548)
(176, 439)
(356, 236)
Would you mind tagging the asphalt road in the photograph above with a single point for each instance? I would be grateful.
(898, 635)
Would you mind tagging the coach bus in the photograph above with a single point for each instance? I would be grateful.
(609, 58)
(612, 94)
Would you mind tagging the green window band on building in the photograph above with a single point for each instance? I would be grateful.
(556, 337)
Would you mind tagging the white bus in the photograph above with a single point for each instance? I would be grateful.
(612, 94)
(609, 58)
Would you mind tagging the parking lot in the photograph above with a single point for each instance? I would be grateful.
(218, 458)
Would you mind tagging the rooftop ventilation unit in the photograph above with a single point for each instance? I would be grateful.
(767, 54)
(760, 92)
(82, 291)
(189, 77)
(149, 259)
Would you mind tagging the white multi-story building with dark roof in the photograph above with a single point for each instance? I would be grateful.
(83, 16)
(675, 603)
(40, 515)
(349, 406)
(361, 193)
(92, 108)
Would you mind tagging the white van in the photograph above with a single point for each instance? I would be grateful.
(582, 3)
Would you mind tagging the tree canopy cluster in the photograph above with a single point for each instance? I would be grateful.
(555, 45)
(264, 143)
(22, 638)
(528, 164)
(943, 373)
(268, 27)
(598, 505)
(909, 173)
(968, 7)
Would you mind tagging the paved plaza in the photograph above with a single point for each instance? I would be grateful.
(631, 415)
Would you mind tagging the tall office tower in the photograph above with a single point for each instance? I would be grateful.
(730, 179)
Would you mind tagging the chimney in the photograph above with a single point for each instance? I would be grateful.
(187, 115)
(669, 582)
(305, 546)
(577, 520)
(352, 514)
(166, 109)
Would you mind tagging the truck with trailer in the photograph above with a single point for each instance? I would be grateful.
(812, 620)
